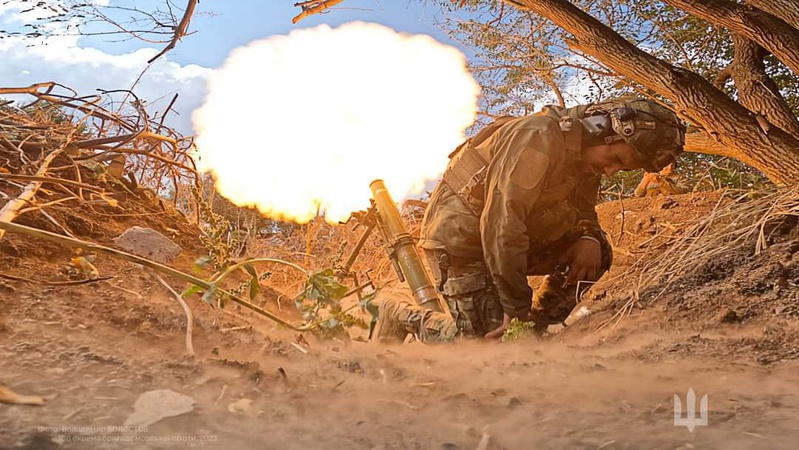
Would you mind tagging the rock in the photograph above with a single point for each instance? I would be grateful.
(148, 243)
(153, 406)
(242, 405)
(582, 312)
(730, 316)
(514, 403)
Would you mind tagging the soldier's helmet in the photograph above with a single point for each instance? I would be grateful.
(653, 131)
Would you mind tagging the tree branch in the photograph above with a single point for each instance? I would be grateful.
(180, 31)
(772, 33)
(756, 90)
(313, 7)
(692, 95)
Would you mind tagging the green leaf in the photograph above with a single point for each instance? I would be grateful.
(325, 286)
(210, 295)
(193, 289)
(517, 330)
(251, 270)
(255, 287)
(368, 304)
(201, 264)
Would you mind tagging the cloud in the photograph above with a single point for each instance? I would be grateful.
(85, 69)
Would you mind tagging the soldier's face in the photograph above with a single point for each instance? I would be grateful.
(608, 159)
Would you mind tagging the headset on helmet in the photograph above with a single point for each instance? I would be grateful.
(653, 131)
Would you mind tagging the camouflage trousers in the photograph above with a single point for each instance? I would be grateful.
(473, 301)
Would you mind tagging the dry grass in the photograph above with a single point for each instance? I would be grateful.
(319, 245)
(739, 219)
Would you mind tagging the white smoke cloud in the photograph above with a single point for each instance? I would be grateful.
(295, 123)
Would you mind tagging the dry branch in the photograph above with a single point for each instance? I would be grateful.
(11, 209)
(22, 131)
(313, 7)
(186, 310)
(55, 283)
(180, 31)
(52, 237)
(41, 179)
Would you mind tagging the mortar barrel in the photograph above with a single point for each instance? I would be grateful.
(404, 249)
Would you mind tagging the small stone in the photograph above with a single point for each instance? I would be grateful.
(242, 405)
(450, 446)
(599, 367)
(663, 202)
(514, 403)
(153, 406)
(148, 243)
(730, 316)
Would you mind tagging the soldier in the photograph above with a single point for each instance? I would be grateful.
(518, 199)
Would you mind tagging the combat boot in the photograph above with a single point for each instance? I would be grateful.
(390, 329)
(397, 318)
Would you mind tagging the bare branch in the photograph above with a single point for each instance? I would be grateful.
(180, 31)
(313, 7)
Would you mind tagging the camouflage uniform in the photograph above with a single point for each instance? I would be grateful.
(519, 205)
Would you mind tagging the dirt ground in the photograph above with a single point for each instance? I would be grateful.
(729, 330)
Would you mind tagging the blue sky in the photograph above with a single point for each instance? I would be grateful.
(221, 26)
(89, 63)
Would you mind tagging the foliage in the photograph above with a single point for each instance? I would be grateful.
(518, 330)
(693, 172)
(321, 302)
(522, 60)
(215, 233)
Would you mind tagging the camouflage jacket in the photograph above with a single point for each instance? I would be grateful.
(534, 194)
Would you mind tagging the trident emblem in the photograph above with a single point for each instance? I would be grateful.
(690, 420)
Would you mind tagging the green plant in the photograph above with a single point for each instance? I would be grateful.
(320, 302)
(518, 330)
(215, 233)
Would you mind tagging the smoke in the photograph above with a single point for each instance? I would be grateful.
(303, 123)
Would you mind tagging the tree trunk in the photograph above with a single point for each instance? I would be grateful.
(787, 10)
(701, 142)
(756, 90)
(776, 154)
(772, 33)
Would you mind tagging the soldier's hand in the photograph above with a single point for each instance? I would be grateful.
(497, 333)
(584, 259)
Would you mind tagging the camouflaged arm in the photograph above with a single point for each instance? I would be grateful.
(585, 200)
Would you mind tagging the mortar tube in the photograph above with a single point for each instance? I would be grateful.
(404, 250)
